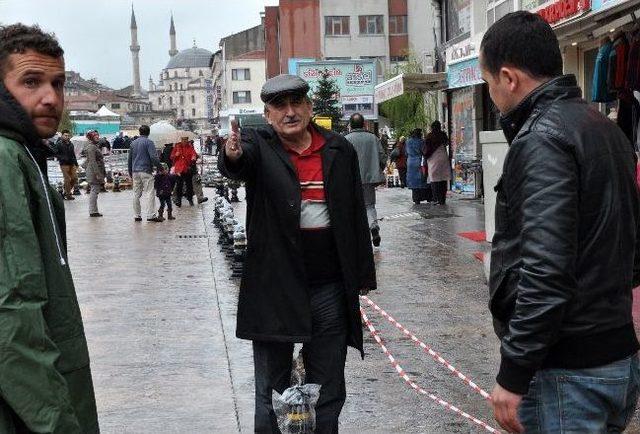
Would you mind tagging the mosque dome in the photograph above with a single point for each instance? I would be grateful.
(191, 58)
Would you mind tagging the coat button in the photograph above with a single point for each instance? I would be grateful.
(291, 204)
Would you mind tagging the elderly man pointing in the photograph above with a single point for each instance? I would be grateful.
(309, 251)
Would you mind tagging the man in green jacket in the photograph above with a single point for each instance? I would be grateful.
(45, 379)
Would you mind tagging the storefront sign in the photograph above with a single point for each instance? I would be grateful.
(464, 74)
(208, 86)
(563, 9)
(461, 51)
(355, 78)
(604, 4)
(389, 89)
(323, 121)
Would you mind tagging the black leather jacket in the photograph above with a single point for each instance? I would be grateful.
(564, 252)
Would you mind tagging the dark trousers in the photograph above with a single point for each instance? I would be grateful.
(420, 194)
(165, 201)
(324, 358)
(184, 187)
(439, 191)
(402, 173)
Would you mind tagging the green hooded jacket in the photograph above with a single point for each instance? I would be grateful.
(45, 378)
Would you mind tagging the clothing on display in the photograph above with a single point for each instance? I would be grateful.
(616, 78)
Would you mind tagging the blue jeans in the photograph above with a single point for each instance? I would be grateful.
(593, 400)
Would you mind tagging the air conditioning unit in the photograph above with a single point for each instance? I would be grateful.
(428, 63)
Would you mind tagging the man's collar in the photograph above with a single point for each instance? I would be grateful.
(563, 87)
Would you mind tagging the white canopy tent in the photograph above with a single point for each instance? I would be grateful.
(105, 112)
(162, 132)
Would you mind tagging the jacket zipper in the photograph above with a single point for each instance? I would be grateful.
(50, 208)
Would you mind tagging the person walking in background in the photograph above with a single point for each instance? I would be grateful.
(118, 142)
(371, 161)
(45, 381)
(416, 179)
(163, 183)
(183, 157)
(143, 158)
(566, 251)
(165, 157)
(436, 155)
(95, 171)
(399, 157)
(66, 155)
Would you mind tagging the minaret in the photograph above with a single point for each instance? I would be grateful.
(172, 35)
(135, 49)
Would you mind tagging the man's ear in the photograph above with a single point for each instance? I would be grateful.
(510, 76)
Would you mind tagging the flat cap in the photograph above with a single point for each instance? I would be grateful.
(283, 84)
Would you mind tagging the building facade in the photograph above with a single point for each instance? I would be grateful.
(582, 28)
(185, 86)
(239, 72)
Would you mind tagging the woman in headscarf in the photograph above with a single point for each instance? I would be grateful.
(436, 155)
(416, 180)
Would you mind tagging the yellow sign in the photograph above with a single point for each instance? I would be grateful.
(323, 121)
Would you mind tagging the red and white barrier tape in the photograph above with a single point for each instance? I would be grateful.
(437, 357)
(413, 385)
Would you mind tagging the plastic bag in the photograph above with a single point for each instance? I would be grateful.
(295, 408)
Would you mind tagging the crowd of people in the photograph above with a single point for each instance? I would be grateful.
(565, 254)
(174, 166)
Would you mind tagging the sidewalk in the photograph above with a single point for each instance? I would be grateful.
(160, 310)
(157, 347)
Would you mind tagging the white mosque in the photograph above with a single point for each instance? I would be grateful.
(184, 85)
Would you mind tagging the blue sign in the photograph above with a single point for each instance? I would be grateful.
(463, 74)
(293, 64)
(602, 4)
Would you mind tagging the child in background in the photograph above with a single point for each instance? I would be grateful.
(164, 182)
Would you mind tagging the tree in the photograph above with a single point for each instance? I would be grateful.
(412, 109)
(325, 100)
(66, 123)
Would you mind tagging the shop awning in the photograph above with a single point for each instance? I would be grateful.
(409, 83)
(587, 23)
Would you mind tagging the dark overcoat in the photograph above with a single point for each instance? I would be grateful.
(273, 303)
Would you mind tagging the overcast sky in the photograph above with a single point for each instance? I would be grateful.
(95, 33)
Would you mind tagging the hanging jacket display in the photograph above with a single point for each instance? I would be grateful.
(600, 92)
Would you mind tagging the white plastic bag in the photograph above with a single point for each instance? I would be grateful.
(295, 408)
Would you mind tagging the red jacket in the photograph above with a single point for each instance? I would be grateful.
(183, 156)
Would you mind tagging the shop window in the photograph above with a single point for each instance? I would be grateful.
(336, 26)
(241, 74)
(242, 97)
(458, 22)
(498, 9)
(398, 25)
(530, 4)
(371, 24)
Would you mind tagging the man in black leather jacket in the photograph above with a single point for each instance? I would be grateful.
(564, 256)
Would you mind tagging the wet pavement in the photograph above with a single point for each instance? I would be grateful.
(159, 307)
